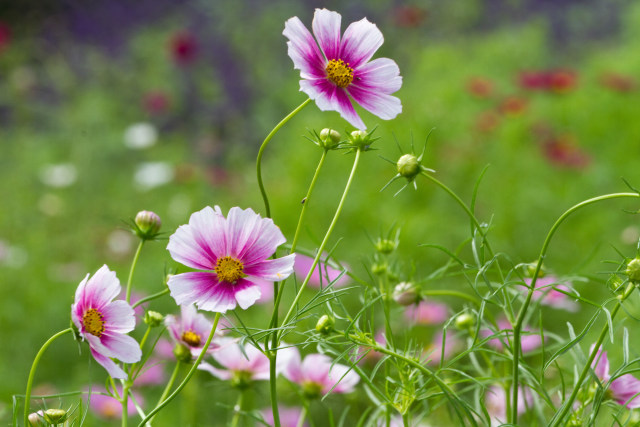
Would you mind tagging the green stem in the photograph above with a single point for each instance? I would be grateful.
(187, 378)
(32, 373)
(438, 292)
(303, 415)
(237, 409)
(150, 298)
(587, 367)
(517, 328)
(273, 373)
(133, 267)
(167, 389)
(336, 216)
(264, 146)
(125, 403)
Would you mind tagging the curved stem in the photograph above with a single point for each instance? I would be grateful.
(438, 292)
(264, 146)
(237, 409)
(324, 241)
(32, 372)
(133, 267)
(167, 389)
(187, 378)
(517, 328)
(605, 329)
(150, 298)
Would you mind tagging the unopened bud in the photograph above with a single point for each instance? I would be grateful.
(379, 268)
(406, 293)
(465, 321)
(55, 416)
(147, 224)
(633, 270)
(329, 138)
(386, 246)
(408, 166)
(36, 419)
(325, 324)
(153, 318)
(182, 353)
(360, 138)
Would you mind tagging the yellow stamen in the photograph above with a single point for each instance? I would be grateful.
(93, 322)
(191, 338)
(339, 72)
(229, 269)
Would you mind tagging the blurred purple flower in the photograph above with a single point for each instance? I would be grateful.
(337, 70)
(322, 275)
(551, 297)
(529, 339)
(289, 417)
(318, 375)
(625, 389)
(495, 402)
(427, 313)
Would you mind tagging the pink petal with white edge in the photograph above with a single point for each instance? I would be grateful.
(381, 75)
(326, 28)
(253, 237)
(329, 97)
(100, 289)
(112, 367)
(382, 105)
(202, 289)
(600, 365)
(303, 50)
(360, 41)
(122, 347)
(293, 370)
(218, 373)
(192, 244)
(272, 269)
(344, 378)
(626, 391)
(119, 316)
(248, 296)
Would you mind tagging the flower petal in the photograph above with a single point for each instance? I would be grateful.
(303, 50)
(119, 316)
(272, 269)
(626, 391)
(199, 243)
(382, 105)
(121, 346)
(99, 289)
(380, 75)
(250, 236)
(218, 373)
(326, 28)
(329, 97)
(202, 289)
(359, 42)
(112, 367)
(248, 296)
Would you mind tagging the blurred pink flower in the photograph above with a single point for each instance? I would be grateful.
(5, 36)
(152, 373)
(184, 48)
(513, 105)
(318, 375)
(155, 102)
(104, 323)
(427, 313)
(289, 417)
(109, 408)
(529, 339)
(164, 349)
(495, 403)
(618, 82)
(303, 264)
(452, 345)
(564, 151)
(337, 70)
(625, 389)
(549, 296)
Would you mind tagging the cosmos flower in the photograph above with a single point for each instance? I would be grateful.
(548, 296)
(289, 417)
(529, 339)
(427, 313)
(495, 403)
(322, 275)
(434, 351)
(235, 251)
(337, 70)
(190, 329)
(625, 389)
(318, 375)
(103, 323)
(109, 408)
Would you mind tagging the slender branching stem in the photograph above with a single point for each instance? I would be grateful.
(133, 267)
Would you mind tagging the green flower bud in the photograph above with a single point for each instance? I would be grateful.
(329, 138)
(241, 379)
(55, 416)
(182, 353)
(153, 318)
(465, 321)
(386, 246)
(406, 293)
(147, 224)
(325, 324)
(408, 166)
(633, 270)
(379, 268)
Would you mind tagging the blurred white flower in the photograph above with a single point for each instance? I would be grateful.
(12, 256)
(630, 235)
(120, 242)
(58, 175)
(153, 174)
(140, 135)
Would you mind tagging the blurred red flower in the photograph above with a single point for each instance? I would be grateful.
(409, 16)
(480, 87)
(558, 80)
(513, 105)
(155, 102)
(563, 151)
(184, 47)
(562, 81)
(5, 36)
(487, 121)
(618, 82)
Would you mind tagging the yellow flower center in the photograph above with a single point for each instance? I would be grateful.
(93, 322)
(229, 269)
(191, 338)
(339, 72)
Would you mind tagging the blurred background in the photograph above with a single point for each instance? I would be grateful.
(112, 107)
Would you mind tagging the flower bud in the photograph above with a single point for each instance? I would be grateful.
(379, 268)
(36, 419)
(360, 139)
(55, 416)
(386, 246)
(633, 270)
(153, 318)
(147, 224)
(182, 353)
(325, 324)
(329, 138)
(406, 293)
(465, 321)
(408, 166)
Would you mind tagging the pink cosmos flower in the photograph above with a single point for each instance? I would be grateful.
(151, 374)
(551, 297)
(243, 363)
(427, 313)
(322, 275)
(191, 329)
(104, 323)
(625, 389)
(109, 408)
(318, 375)
(495, 403)
(336, 70)
(234, 250)
(289, 417)
(529, 339)
(451, 345)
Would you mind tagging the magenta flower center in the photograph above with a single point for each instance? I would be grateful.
(339, 72)
(93, 322)
(191, 338)
(229, 269)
